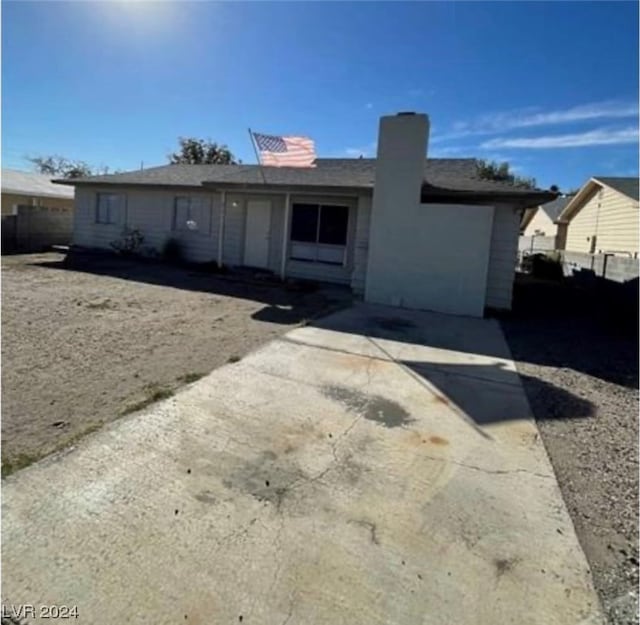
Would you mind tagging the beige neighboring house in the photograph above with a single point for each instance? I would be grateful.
(602, 218)
(23, 188)
(540, 220)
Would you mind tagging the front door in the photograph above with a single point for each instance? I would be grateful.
(256, 238)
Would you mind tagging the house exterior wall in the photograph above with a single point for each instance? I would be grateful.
(502, 257)
(152, 213)
(361, 245)
(610, 217)
(9, 200)
(541, 224)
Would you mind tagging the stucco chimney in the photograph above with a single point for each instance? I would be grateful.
(402, 149)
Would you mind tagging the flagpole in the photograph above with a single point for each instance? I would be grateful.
(255, 149)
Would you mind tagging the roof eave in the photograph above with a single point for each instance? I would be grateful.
(567, 212)
(520, 199)
(283, 187)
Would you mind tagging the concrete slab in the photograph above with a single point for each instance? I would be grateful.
(378, 467)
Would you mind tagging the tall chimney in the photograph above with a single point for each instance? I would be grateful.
(402, 148)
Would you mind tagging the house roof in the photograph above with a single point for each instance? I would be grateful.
(443, 177)
(626, 186)
(34, 185)
(554, 208)
(551, 209)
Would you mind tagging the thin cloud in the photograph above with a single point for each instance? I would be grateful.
(577, 140)
(528, 118)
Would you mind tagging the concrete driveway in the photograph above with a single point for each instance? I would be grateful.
(378, 467)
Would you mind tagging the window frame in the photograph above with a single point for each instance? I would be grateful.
(119, 200)
(203, 219)
(320, 248)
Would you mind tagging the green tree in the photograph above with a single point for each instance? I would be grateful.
(492, 170)
(61, 167)
(199, 151)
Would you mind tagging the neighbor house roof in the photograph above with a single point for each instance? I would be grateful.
(33, 185)
(624, 185)
(551, 209)
(443, 178)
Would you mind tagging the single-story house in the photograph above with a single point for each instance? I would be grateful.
(399, 229)
(23, 188)
(538, 229)
(602, 218)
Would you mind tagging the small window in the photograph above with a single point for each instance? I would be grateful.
(190, 213)
(108, 208)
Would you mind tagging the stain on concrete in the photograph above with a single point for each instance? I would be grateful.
(504, 565)
(266, 477)
(393, 324)
(441, 399)
(438, 440)
(376, 408)
(206, 496)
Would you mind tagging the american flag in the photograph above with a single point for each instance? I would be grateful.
(285, 151)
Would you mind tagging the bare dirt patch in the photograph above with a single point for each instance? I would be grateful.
(87, 342)
(563, 337)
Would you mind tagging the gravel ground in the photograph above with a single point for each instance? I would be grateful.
(86, 342)
(580, 372)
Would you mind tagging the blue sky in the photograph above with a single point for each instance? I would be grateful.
(551, 87)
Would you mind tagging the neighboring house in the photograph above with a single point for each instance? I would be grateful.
(538, 228)
(398, 229)
(540, 220)
(22, 188)
(602, 218)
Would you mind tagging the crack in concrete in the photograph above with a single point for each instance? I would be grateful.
(474, 467)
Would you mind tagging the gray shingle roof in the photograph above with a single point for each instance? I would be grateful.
(452, 174)
(627, 186)
(554, 208)
(36, 185)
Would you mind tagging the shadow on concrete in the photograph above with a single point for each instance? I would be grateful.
(482, 393)
(286, 304)
(490, 393)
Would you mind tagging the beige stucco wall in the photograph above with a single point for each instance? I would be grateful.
(9, 200)
(540, 225)
(609, 216)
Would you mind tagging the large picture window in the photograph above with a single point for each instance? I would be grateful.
(319, 233)
(108, 208)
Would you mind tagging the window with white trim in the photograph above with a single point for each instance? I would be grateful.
(319, 233)
(108, 207)
(190, 213)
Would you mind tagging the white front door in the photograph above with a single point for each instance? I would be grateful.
(256, 238)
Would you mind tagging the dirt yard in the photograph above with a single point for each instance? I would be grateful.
(561, 339)
(86, 342)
